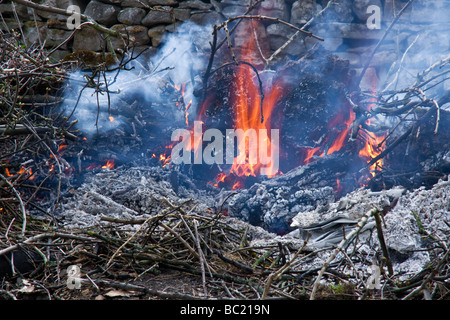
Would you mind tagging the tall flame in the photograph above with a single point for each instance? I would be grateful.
(247, 106)
(373, 144)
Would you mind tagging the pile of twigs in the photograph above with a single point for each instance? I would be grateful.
(211, 254)
(31, 129)
(113, 255)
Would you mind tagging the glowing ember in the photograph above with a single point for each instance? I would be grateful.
(220, 178)
(339, 187)
(62, 147)
(238, 185)
(339, 142)
(111, 118)
(8, 173)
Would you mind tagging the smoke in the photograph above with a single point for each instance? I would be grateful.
(177, 64)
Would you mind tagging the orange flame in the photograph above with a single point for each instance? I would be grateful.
(338, 143)
(247, 102)
(187, 113)
(372, 148)
(164, 159)
(109, 165)
(111, 118)
(373, 144)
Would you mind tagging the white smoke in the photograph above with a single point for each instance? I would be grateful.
(180, 61)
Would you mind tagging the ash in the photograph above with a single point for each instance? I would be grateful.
(414, 222)
(129, 193)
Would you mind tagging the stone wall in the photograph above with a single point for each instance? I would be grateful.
(343, 26)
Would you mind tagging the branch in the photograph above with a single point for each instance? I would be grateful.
(63, 12)
(381, 41)
(298, 32)
(258, 17)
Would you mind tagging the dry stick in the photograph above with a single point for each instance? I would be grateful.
(279, 272)
(292, 38)
(215, 47)
(30, 127)
(42, 236)
(430, 277)
(68, 38)
(187, 245)
(376, 214)
(399, 139)
(132, 287)
(259, 17)
(366, 66)
(201, 257)
(438, 116)
(126, 242)
(63, 12)
(400, 65)
(341, 245)
(22, 207)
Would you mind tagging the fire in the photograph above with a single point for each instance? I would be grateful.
(339, 142)
(372, 148)
(310, 153)
(111, 118)
(339, 187)
(238, 185)
(220, 178)
(164, 159)
(182, 90)
(247, 104)
(109, 165)
(8, 174)
(28, 171)
(62, 147)
(373, 144)
(187, 113)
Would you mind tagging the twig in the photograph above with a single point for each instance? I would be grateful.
(187, 245)
(292, 38)
(259, 17)
(279, 272)
(430, 277)
(63, 12)
(201, 257)
(377, 217)
(22, 207)
(366, 66)
(126, 242)
(132, 287)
